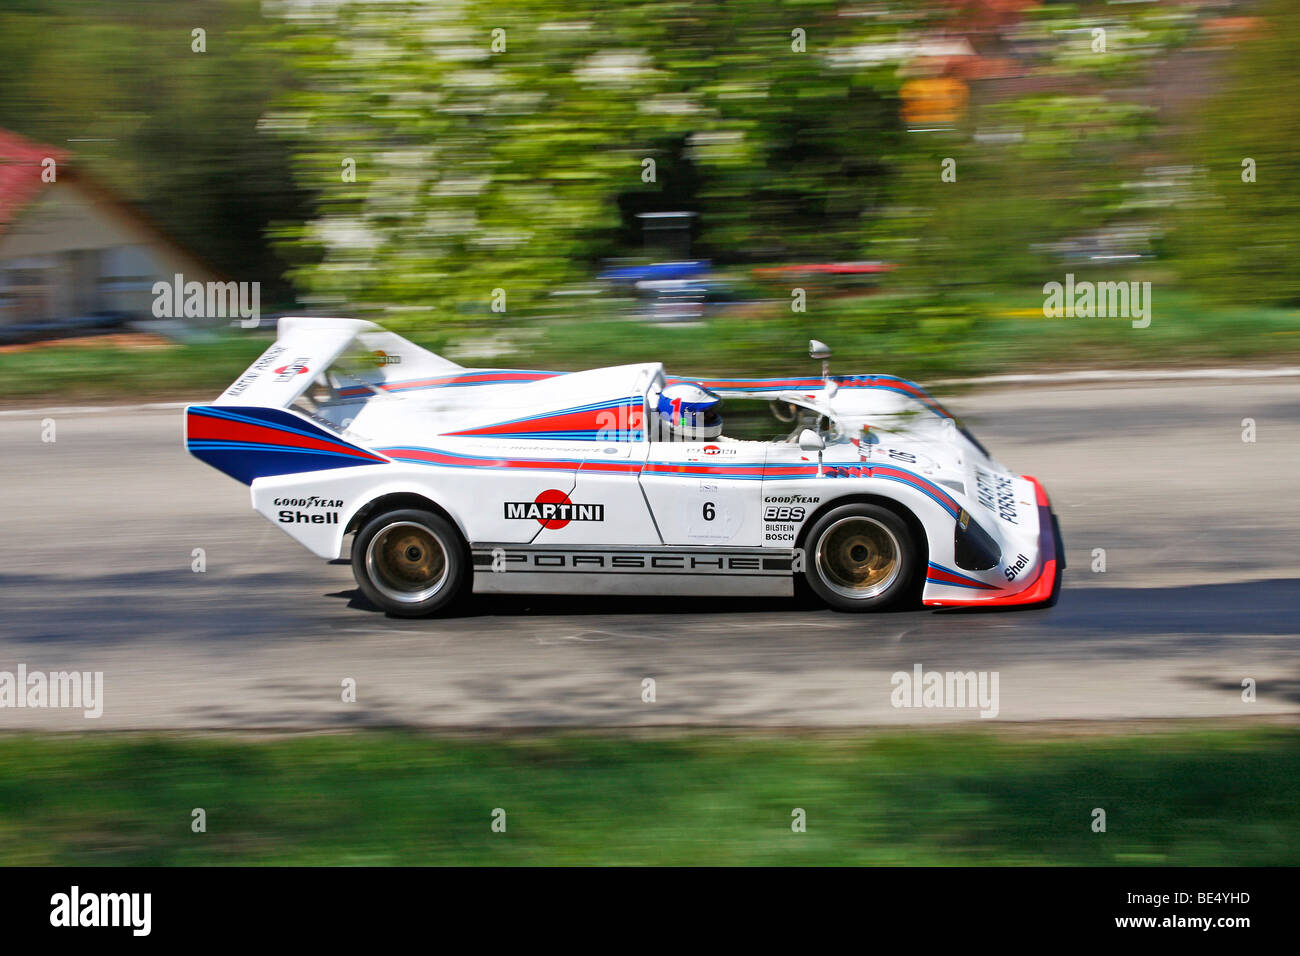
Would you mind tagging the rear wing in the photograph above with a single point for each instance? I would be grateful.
(255, 430)
(305, 348)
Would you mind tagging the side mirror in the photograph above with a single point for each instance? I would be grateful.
(818, 350)
(809, 440)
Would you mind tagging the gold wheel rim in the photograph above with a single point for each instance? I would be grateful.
(858, 557)
(407, 562)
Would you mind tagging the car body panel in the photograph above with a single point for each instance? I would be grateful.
(562, 482)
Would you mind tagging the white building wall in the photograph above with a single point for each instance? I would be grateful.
(71, 253)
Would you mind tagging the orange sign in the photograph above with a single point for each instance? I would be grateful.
(934, 101)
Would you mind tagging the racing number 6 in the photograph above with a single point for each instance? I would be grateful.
(708, 511)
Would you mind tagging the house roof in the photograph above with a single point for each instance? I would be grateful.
(20, 172)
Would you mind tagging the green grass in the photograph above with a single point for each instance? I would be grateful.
(95, 372)
(1187, 797)
(966, 336)
(924, 339)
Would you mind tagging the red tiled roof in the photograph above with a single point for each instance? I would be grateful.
(20, 172)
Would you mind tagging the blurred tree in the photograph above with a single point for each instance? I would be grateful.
(427, 153)
(1238, 240)
(174, 130)
(1053, 168)
(515, 159)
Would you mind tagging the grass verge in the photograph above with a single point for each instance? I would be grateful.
(1186, 797)
(925, 339)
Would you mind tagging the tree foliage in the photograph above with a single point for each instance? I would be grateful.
(518, 165)
(121, 88)
(1239, 240)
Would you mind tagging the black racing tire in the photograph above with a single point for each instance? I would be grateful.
(862, 557)
(410, 562)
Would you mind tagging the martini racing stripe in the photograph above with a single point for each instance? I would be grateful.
(756, 470)
(253, 424)
(494, 377)
(938, 574)
(887, 382)
(254, 442)
(752, 472)
(458, 380)
(770, 472)
(945, 500)
(618, 419)
(888, 472)
(432, 456)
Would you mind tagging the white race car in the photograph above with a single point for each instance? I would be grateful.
(619, 480)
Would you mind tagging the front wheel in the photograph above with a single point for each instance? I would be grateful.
(410, 562)
(861, 557)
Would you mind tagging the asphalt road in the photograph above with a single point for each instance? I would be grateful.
(1201, 590)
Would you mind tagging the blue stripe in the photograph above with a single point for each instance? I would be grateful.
(921, 485)
(956, 584)
(975, 583)
(917, 482)
(262, 446)
(624, 402)
(596, 435)
(392, 453)
(211, 412)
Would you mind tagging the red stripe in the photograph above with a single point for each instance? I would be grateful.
(758, 382)
(614, 466)
(1040, 590)
(946, 577)
(472, 377)
(918, 482)
(440, 458)
(914, 390)
(488, 378)
(207, 428)
(692, 468)
(1040, 495)
(611, 419)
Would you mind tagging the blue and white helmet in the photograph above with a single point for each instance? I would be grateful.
(690, 412)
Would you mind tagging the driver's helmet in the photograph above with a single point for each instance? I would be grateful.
(690, 412)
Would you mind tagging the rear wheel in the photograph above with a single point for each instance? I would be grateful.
(861, 557)
(410, 562)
